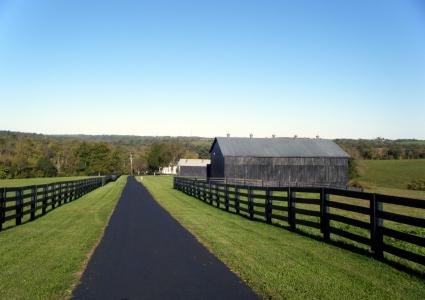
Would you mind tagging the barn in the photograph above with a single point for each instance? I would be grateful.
(192, 167)
(288, 161)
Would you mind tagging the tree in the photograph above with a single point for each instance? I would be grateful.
(99, 158)
(45, 168)
(158, 156)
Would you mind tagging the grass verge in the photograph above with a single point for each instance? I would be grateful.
(277, 263)
(44, 258)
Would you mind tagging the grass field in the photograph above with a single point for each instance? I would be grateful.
(392, 176)
(391, 173)
(35, 181)
(44, 258)
(278, 263)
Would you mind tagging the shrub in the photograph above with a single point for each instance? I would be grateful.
(418, 185)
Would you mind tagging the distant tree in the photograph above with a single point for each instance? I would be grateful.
(83, 154)
(45, 168)
(114, 165)
(158, 156)
(99, 158)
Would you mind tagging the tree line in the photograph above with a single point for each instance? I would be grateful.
(24, 155)
(380, 148)
(33, 155)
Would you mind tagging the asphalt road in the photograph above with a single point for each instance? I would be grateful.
(146, 254)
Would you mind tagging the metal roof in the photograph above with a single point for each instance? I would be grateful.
(193, 162)
(278, 147)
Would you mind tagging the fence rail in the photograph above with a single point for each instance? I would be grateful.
(35, 200)
(273, 183)
(381, 223)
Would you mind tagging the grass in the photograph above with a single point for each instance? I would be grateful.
(43, 259)
(392, 176)
(277, 263)
(36, 181)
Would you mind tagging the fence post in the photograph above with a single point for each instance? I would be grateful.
(291, 209)
(324, 214)
(65, 192)
(33, 202)
(68, 192)
(2, 206)
(237, 199)
(45, 196)
(53, 195)
(250, 204)
(217, 196)
(201, 188)
(174, 182)
(376, 222)
(19, 206)
(268, 209)
(209, 192)
(60, 194)
(226, 196)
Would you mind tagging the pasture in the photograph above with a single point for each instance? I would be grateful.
(279, 263)
(35, 181)
(43, 259)
(392, 176)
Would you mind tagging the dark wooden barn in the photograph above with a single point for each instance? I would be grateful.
(192, 167)
(290, 161)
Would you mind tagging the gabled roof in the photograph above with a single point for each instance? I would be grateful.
(193, 162)
(278, 147)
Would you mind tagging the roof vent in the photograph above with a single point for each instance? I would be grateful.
(250, 135)
(295, 136)
(273, 135)
(317, 137)
(228, 135)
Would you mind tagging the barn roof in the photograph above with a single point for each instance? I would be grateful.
(193, 162)
(278, 147)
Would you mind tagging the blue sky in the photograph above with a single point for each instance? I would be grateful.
(333, 68)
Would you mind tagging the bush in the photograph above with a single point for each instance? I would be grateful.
(418, 185)
(3, 172)
(356, 184)
(352, 169)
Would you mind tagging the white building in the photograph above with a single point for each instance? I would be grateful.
(170, 170)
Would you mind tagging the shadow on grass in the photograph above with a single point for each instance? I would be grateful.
(7, 226)
(318, 237)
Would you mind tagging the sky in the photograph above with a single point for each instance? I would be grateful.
(337, 69)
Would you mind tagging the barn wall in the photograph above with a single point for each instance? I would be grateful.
(217, 162)
(193, 171)
(289, 170)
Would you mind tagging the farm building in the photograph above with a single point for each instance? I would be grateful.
(289, 161)
(192, 167)
(170, 170)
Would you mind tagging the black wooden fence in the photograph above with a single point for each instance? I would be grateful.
(356, 216)
(18, 202)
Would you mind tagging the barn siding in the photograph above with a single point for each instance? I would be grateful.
(287, 170)
(195, 171)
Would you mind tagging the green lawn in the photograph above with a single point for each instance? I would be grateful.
(392, 175)
(35, 181)
(43, 259)
(277, 263)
